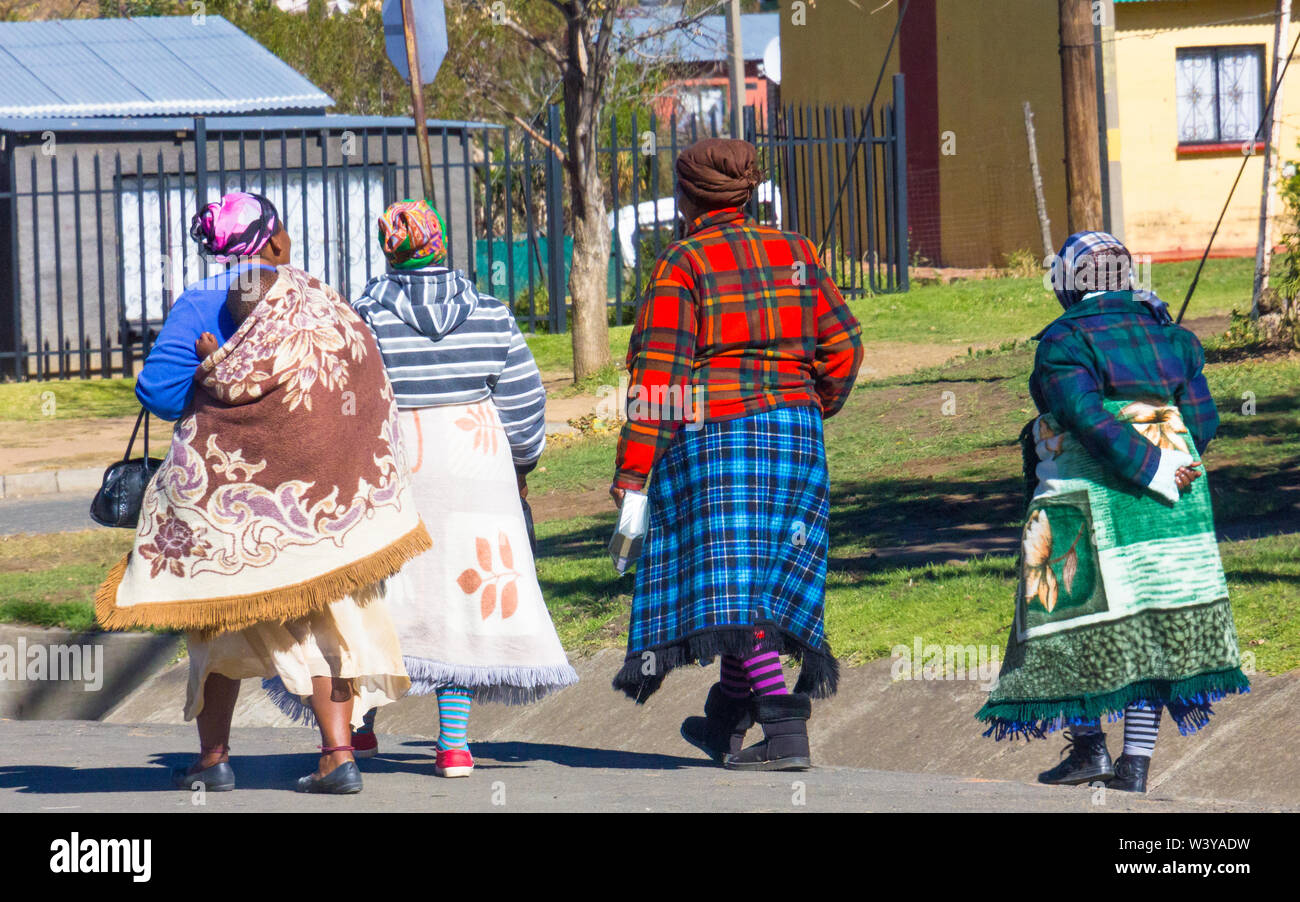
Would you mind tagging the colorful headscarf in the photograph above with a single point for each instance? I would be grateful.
(412, 235)
(1090, 262)
(238, 225)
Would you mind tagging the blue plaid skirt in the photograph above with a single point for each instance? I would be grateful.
(736, 549)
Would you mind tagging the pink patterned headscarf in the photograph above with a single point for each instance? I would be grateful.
(238, 225)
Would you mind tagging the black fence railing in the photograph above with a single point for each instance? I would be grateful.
(94, 222)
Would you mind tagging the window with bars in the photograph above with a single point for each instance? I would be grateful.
(1220, 93)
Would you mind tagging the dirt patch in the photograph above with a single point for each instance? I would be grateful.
(880, 360)
(557, 505)
(1205, 326)
(35, 553)
(561, 404)
(883, 359)
(945, 275)
(29, 446)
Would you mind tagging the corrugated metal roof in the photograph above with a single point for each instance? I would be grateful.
(706, 40)
(158, 66)
(94, 125)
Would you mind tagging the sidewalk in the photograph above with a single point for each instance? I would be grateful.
(86, 480)
(873, 723)
(87, 766)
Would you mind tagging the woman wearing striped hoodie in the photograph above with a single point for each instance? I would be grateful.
(469, 612)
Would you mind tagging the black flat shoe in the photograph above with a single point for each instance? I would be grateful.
(342, 780)
(1087, 761)
(219, 777)
(1130, 773)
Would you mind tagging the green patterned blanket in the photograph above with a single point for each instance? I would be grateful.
(1121, 598)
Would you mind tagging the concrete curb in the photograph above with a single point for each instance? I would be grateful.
(82, 481)
(55, 674)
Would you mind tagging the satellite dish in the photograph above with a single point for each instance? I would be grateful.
(772, 60)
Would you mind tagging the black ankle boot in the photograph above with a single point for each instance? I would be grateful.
(785, 729)
(1130, 773)
(1088, 761)
(721, 731)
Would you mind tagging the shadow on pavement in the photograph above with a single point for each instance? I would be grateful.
(571, 756)
(278, 771)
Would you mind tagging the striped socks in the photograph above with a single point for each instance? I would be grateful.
(765, 674)
(453, 717)
(761, 675)
(1141, 726)
(734, 681)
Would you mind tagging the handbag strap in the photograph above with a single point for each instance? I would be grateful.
(144, 416)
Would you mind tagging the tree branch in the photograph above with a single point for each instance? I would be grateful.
(540, 43)
(676, 26)
(527, 127)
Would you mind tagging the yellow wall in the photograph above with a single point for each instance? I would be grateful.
(835, 56)
(993, 56)
(1172, 201)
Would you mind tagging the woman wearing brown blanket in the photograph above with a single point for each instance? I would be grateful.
(282, 505)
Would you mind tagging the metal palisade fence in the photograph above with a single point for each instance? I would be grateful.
(94, 214)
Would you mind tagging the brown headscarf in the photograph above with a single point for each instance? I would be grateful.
(718, 172)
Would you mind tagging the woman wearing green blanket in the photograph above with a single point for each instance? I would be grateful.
(1122, 607)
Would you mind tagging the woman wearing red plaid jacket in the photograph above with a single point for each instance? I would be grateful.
(742, 346)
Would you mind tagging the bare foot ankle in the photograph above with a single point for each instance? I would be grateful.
(210, 758)
(331, 760)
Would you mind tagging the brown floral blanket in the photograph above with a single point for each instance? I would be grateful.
(286, 486)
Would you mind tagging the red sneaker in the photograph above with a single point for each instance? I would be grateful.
(454, 763)
(364, 745)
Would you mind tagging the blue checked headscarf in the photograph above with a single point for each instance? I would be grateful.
(1091, 262)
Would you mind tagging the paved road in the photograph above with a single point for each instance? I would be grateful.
(89, 766)
(45, 513)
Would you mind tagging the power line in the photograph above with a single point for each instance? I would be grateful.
(1272, 95)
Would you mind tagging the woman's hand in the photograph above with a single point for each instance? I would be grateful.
(1185, 476)
(617, 494)
(206, 345)
(522, 481)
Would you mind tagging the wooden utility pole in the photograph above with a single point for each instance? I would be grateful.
(1268, 196)
(736, 54)
(417, 99)
(1079, 106)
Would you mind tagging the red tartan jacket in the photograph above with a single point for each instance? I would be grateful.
(737, 318)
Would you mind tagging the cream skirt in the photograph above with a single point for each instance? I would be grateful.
(347, 640)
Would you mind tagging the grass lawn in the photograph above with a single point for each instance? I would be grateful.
(893, 442)
(68, 400)
(909, 456)
(900, 467)
(50, 581)
(990, 311)
(994, 311)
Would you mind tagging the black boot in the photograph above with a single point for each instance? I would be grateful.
(1130, 773)
(1088, 761)
(721, 731)
(785, 729)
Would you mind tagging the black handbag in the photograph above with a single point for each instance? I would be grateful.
(117, 503)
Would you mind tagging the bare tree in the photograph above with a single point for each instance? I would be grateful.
(580, 39)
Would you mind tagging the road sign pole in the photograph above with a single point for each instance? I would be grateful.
(417, 100)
